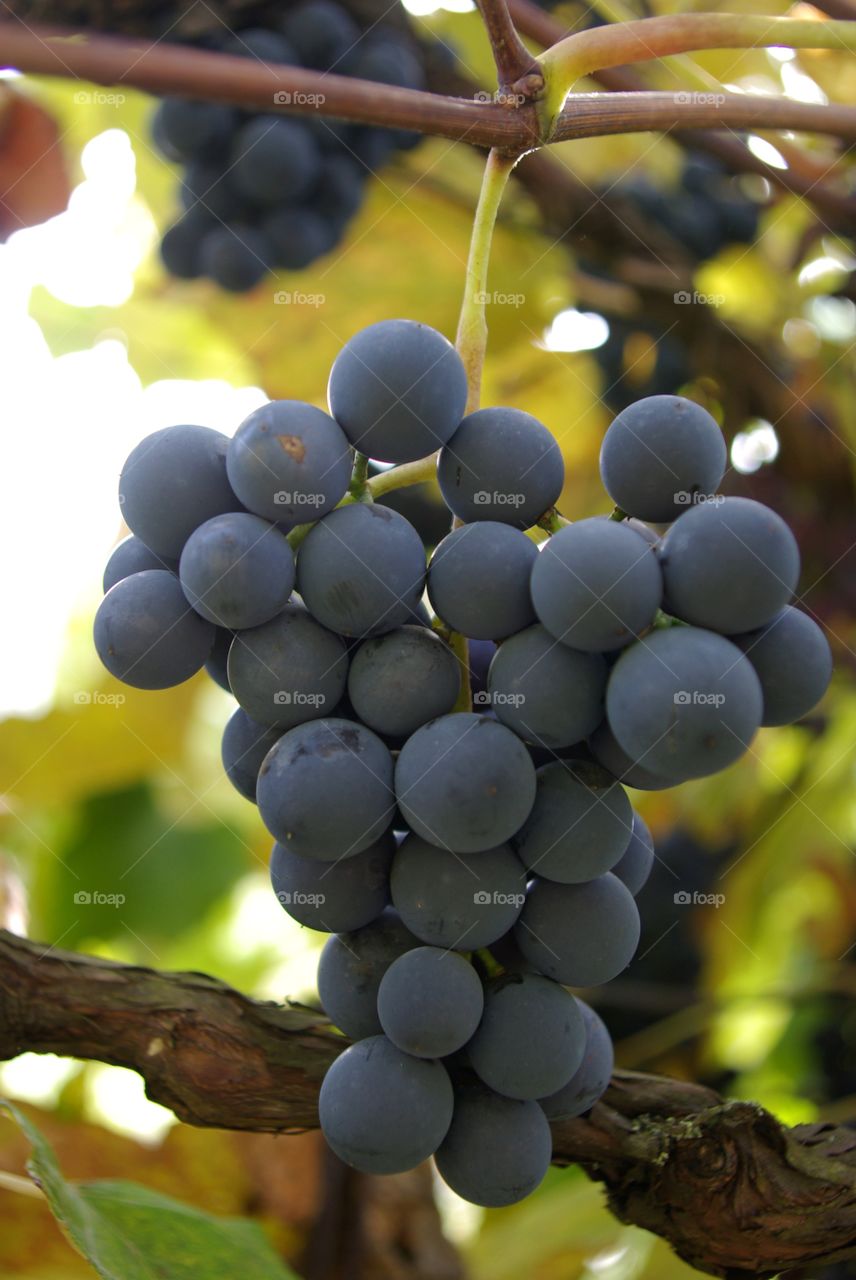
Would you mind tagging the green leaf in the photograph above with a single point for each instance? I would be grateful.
(128, 1232)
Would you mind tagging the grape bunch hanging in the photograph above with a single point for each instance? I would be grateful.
(262, 191)
(474, 867)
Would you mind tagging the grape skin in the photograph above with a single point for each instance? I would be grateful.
(399, 681)
(383, 1111)
(497, 1150)
(604, 747)
(237, 257)
(579, 934)
(430, 1002)
(353, 891)
(580, 824)
(658, 454)
(464, 782)
(147, 635)
(273, 157)
(478, 580)
(192, 129)
(132, 555)
(661, 702)
(544, 691)
(441, 895)
(591, 1079)
(289, 461)
(596, 585)
(320, 32)
(288, 670)
(730, 566)
(792, 659)
(501, 464)
(173, 481)
(243, 749)
(361, 570)
(398, 390)
(531, 1038)
(634, 866)
(350, 970)
(216, 664)
(237, 570)
(313, 764)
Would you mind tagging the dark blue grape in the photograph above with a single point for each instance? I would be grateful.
(591, 1079)
(634, 866)
(464, 782)
(217, 662)
(207, 194)
(361, 570)
(193, 130)
(289, 462)
(275, 161)
(604, 747)
(580, 824)
(383, 1111)
(730, 565)
(659, 454)
(173, 481)
(333, 897)
(497, 1149)
(299, 236)
(683, 702)
(399, 681)
(321, 32)
(579, 934)
(430, 1002)
(478, 580)
(531, 1037)
(132, 555)
(288, 670)
(792, 659)
(596, 585)
(245, 745)
(146, 633)
(325, 789)
(398, 389)
(237, 570)
(501, 464)
(262, 45)
(181, 244)
(351, 968)
(544, 691)
(236, 257)
(462, 901)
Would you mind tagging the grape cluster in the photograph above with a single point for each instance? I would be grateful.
(470, 865)
(266, 191)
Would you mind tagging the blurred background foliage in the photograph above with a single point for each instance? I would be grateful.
(107, 789)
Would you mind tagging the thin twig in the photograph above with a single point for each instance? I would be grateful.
(515, 65)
